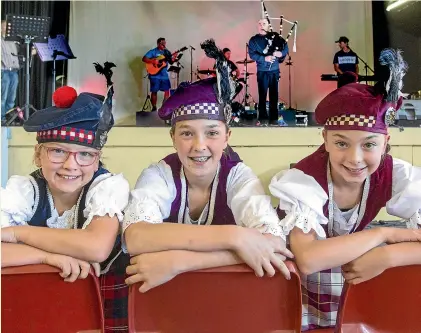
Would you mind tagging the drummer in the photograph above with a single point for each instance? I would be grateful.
(233, 67)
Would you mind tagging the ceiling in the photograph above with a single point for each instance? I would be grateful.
(406, 17)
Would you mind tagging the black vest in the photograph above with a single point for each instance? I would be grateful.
(43, 213)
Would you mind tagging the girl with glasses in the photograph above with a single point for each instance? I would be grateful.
(73, 197)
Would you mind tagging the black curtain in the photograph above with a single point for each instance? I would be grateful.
(41, 73)
(381, 38)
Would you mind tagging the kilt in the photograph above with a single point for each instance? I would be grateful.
(321, 295)
(114, 293)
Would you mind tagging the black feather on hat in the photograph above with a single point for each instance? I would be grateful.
(225, 83)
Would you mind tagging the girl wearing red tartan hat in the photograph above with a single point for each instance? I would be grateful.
(329, 197)
(77, 201)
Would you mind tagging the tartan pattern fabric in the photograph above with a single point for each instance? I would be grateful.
(321, 293)
(114, 293)
(66, 134)
(198, 108)
(352, 120)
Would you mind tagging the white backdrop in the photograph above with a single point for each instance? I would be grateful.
(122, 32)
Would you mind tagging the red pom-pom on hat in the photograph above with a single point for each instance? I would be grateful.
(64, 97)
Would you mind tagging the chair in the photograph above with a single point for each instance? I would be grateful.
(388, 303)
(35, 299)
(223, 300)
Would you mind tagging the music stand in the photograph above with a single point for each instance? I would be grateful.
(56, 49)
(28, 28)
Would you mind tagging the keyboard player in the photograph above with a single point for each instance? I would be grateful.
(345, 60)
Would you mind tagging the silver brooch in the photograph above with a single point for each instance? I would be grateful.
(390, 116)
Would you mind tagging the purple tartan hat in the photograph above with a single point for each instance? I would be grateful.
(197, 100)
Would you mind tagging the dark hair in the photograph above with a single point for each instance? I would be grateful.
(226, 49)
(160, 39)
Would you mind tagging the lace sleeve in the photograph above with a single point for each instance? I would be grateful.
(17, 201)
(406, 193)
(151, 199)
(249, 203)
(108, 195)
(302, 199)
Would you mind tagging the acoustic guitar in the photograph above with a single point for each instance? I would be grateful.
(153, 69)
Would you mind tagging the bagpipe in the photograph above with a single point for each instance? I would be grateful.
(275, 40)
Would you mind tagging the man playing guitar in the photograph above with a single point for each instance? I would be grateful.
(160, 80)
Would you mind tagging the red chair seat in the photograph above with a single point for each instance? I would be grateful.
(223, 300)
(35, 299)
(389, 303)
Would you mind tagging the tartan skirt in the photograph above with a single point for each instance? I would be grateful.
(114, 293)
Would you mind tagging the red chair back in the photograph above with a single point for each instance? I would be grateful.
(223, 300)
(35, 299)
(389, 303)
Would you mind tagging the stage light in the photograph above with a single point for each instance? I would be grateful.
(395, 4)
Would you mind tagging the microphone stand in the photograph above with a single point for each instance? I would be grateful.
(366, 66)
(289, 64)
(191, 62)
(246, 94)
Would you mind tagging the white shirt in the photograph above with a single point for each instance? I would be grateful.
(155, 191)
(108, 194)
(302, 199)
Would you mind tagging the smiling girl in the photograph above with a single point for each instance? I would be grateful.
(200, 207)
(66, 214)
(333, 194)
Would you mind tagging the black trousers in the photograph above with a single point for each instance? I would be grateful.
(265, 81)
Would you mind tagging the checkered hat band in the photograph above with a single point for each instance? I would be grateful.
(198, 108)
(67, 134)
(352, 120)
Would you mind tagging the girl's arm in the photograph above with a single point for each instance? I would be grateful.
(377, 260)
(93, 244)
(314, 255)
(21, 254)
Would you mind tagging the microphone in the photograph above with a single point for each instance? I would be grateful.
(192, 47)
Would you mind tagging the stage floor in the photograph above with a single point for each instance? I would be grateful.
(151, 119)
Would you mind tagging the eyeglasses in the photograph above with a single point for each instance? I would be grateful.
(59, 155)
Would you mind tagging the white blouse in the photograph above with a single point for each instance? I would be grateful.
(155, 191)
(302, 199)
(108, 194)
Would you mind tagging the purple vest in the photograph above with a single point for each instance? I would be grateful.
(380, 192)
(320, 307)
(222, 213)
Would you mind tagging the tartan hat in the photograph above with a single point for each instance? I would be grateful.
(363, 107)
(203, 99)
(193, 101)
(83, 119)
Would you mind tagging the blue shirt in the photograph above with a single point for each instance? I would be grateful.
(257, 44)
(347, 61)
(163, 73)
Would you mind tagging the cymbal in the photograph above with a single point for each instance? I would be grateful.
(244, 61)
(206, 71)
